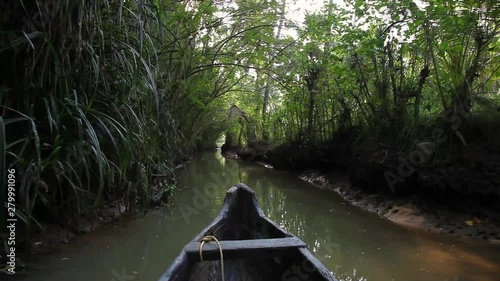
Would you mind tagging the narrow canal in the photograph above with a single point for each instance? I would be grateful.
(352, 243)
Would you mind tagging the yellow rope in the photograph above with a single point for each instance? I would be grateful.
(209, 238)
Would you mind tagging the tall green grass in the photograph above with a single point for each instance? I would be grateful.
(84, 102)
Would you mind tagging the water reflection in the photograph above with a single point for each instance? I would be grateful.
(355, 245)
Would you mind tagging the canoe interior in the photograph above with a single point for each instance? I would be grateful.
(241, 218)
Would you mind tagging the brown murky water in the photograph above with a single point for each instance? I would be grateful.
(353, 244)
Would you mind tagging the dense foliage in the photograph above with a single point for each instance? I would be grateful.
(98, 98)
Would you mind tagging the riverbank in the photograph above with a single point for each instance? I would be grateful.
(444, 188)
(459, 219)
(56, 234)
(53, 234)
(345, 238)
(451, 195)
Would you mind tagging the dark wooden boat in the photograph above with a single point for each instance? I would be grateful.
(254, 248)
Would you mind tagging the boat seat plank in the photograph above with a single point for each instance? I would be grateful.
(235, 249)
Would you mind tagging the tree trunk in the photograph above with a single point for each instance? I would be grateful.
(312, 84)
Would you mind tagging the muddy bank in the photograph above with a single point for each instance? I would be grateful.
(55, 234)
(466, 219)
(443, 187)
